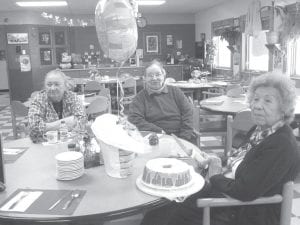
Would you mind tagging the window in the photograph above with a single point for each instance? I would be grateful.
(293, 54)
(223, 54)
(257, 54)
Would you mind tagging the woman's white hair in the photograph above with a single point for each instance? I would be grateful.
(286, 89)
(159, 64)
(59, 72)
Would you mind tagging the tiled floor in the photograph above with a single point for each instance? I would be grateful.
(6, 129)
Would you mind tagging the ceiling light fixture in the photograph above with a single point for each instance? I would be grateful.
(149, 2)
(42, 3)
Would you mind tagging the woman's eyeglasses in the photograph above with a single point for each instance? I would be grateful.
(154, 75)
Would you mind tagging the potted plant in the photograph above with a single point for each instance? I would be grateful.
(291, 27)
(277, 15)
(231, 35)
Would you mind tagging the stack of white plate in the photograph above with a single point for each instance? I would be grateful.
(69, 165)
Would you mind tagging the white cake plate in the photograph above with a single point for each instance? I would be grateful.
(178, 194)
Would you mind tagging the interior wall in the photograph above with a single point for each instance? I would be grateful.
(36, 18)
(82, 37)
(228, 9)
(3, 64)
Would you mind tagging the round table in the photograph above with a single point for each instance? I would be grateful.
(225, 104)
(230, 105)
(106, 198)
(195, 89)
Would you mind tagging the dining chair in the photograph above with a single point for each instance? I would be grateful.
(106, 93)
(210, 124)
(169, 80)
(93, 87)
(232, 90)
(213, 92)
(18, 109)
(129, 87)
(98, 107)
(286, 199)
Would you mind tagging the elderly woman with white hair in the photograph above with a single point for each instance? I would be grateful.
(52, 105)
(268, 158)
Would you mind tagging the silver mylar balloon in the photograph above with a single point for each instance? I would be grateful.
(116, 29)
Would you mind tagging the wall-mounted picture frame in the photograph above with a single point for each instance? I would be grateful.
(58, 54)
(46, 56)
(44, 38)
(59, 37)
(169, 40)
(17, 38)
(152, 43)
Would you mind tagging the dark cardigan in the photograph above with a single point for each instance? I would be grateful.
(263, 172)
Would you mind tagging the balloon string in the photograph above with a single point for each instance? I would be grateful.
(120, 101)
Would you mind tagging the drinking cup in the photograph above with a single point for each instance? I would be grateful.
(52, 136)
(82, 98)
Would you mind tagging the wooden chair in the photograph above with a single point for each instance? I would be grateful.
(169, 80)
(210, 124)
(286, 199)
(98, 107)
(213, 92)
(106, 93)
(93, 87)
(18, 109)
(129, 87)
(232, 90)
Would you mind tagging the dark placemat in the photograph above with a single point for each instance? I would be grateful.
(47, 199)
(11, 158)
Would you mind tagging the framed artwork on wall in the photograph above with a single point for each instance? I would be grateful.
(46, 56)
(169, 40)
(17, 38)
(44, 38)
(152, 43)
(59, 37)
(58, 53)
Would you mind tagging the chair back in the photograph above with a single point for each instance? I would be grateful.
(286, 200)
(234, 90)
(98, 107)
(92, 86)
(169, 80)
(238, 127)
(129, 86)
(18, 109)
(106, 93)
(209, 124)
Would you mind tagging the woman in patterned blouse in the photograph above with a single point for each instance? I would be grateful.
(52, 105)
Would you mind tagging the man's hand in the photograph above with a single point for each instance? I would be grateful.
(70, 121)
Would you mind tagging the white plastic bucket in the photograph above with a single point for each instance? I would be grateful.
(113, 166)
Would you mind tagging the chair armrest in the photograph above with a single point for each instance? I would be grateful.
(218, 202)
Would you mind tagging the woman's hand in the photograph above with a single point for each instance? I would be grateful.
(70, 121)
(202, 158)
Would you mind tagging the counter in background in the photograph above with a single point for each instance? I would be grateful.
(174, 71)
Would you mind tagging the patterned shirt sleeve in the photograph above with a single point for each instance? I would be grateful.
(42, 112)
